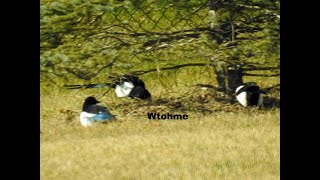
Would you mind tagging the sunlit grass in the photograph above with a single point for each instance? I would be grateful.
(230, 142)
(223, 145)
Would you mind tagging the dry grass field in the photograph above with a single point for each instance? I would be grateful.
(217, 141)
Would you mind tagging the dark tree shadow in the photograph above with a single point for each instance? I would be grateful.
(271, 102)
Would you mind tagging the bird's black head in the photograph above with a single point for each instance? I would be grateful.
(89, 101)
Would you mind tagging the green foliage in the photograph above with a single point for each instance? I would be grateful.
(84, 40)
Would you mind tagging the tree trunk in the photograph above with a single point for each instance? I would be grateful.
(234, 78)
(221, 72)
(229, 77)
(229, 74)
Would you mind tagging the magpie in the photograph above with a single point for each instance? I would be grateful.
(249, 94)
(132, 86)
(93, 113)
(125, 86)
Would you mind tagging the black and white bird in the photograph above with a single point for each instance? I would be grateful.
(93, 113)
(249, 94)
(125, 86)
(132, 86)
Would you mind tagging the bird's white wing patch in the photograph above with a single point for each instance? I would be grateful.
(124, 89)
(238, 88)
(242, 98)
(127, 85)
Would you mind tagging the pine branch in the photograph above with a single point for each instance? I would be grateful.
(168, 68)
(261, 75)
(268, 12)
(254, 68)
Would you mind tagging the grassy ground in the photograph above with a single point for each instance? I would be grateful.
(218, 141)
(222, 146)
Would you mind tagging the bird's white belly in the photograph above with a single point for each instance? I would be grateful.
(84, 119)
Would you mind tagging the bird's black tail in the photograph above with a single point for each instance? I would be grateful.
(86, 86)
